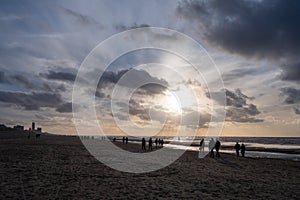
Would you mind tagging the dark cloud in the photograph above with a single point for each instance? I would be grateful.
(35, 101)
(260, 28)
(297, 111)
(59, 75)
(23, 80)
(65, 108)
(3, 79)
(29, 81)
(238, 109)
(292, 95)
(31, 101)
(80, 18)
(154, 86)
(291, 72)
(241, 72)
(120, 27)
(151, 89)
(100, 94)
(236, 99)
(136, 108)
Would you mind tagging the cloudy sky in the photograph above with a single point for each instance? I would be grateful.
(254, 44)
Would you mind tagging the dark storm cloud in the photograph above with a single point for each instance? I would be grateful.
(292, 95)
(261, 28)
(31, 101)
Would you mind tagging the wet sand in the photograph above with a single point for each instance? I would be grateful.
(59, 167)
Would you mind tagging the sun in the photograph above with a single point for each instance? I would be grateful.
(171, 102)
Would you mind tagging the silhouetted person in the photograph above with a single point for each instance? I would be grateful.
(237, 148)
(217, 147)
(150, 144)
(143, 144)
(159, 141)
(162, 142)
(156, 142)
(243, 149)
(126, 140)
(211, 148)
(123, 140)
(114, 139)
(201, 148)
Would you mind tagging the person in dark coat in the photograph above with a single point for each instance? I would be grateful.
(143, 144)
(150, 144)
(217, 147)
(237, 148)
(201, 148)
(156, 142)
(243, 149)
(211, 148)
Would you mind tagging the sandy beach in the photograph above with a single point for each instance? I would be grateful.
(59, 167)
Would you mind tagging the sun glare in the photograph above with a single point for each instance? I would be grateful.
(171, 103)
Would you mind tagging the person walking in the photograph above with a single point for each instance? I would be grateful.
(150, 144)
(237, 148)
(143, 144)
(217, 147)
(211, 148)
(201, 148)
(243, 149)
(156, 142)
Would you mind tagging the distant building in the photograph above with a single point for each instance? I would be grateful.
(19, 128)
(33, 126)
(39, 129)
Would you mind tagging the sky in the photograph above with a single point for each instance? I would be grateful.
(254, 44)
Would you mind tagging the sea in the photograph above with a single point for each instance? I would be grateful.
(257, 147)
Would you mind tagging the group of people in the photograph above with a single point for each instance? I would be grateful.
(125, 140)
(217, 145)
(212, 145)
(239, 148)
(157, 142)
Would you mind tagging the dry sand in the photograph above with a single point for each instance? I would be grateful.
(59, 167)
